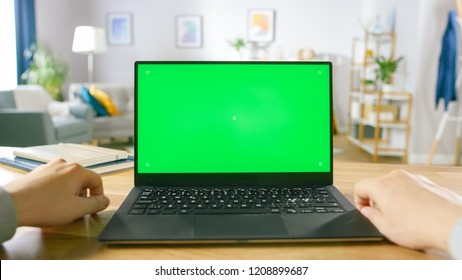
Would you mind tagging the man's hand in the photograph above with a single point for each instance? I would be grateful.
(56, 193)
(409, 210)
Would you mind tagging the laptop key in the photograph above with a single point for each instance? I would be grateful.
(229, 211)
(335, 210)
(290, 211)
(140, 206)
(324, 204)
(275, 211)
(236, 201)
(148, 201)
(137, 211)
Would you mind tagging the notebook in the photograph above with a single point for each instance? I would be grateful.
(234, 152)
(84, 155)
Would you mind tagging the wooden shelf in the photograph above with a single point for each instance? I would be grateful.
(383, 124)
(369, 107)
(383, 149)
(392, 96)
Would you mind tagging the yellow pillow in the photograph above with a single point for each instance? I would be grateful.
(105, 100)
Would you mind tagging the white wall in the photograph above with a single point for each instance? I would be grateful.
(432, 23)
(420, 27)
(326, 26)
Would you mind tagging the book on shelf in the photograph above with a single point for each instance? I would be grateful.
(99, 159)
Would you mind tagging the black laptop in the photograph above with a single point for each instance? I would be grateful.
(234, 152)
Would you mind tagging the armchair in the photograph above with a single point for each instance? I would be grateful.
(28, 117)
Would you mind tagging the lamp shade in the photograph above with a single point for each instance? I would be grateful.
(89, 40)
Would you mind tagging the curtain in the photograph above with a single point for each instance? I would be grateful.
(25, 32)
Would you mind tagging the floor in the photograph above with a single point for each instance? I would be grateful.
(344, 151)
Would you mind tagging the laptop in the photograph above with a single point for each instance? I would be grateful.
(234, 152)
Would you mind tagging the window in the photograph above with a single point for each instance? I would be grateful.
(8, 78)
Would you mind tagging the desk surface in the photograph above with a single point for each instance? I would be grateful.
(78, 240)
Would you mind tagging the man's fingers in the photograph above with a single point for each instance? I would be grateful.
(92, 204)
(93, 182)
(375, 216)
(362, 192)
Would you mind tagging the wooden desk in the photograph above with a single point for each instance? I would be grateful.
(78, 240)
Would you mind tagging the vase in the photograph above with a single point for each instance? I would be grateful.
(387, 88)
(236, 55)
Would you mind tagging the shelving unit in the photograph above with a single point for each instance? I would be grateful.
(378, 122)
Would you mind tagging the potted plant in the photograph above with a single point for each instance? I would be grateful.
(369, 84)
(387, 66)
(237, 44)
(45, 69)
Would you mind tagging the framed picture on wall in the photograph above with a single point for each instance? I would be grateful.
(189, 31)
(261, 24)
(119, 29)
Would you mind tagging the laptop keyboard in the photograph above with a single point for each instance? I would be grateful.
(169, 201)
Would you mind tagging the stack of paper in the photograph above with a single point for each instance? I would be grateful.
(82, 154)
(101, 160)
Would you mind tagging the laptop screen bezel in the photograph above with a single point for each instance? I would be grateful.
(260, 179)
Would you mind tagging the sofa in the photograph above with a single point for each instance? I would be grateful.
(30, 117)
(118, 126)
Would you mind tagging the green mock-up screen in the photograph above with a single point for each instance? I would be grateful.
(238, 118)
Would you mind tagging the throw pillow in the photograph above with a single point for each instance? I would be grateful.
(89, 99)
(60, 111)
(105, 100)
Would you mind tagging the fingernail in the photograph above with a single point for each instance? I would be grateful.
(106, 201)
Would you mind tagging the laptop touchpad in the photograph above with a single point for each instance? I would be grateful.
(239, 226)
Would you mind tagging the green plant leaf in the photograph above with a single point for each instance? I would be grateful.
(387, 66)
(45, 69)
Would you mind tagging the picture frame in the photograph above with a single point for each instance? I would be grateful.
(189, 31)
(261, 25)
(119, 29)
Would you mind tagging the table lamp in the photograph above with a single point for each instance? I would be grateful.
(89, 40)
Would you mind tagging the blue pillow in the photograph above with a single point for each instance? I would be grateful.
(89, 99)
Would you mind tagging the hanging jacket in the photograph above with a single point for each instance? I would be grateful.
(447, 68)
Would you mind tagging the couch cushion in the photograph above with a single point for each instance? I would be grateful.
(31, 98)
(123, 98)
(69, 128)
(131, 106)
(89, 99)
(105, 100)
(60, 111)
(7, 100)
(116, 126)
(119, 94)
(122, 95)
